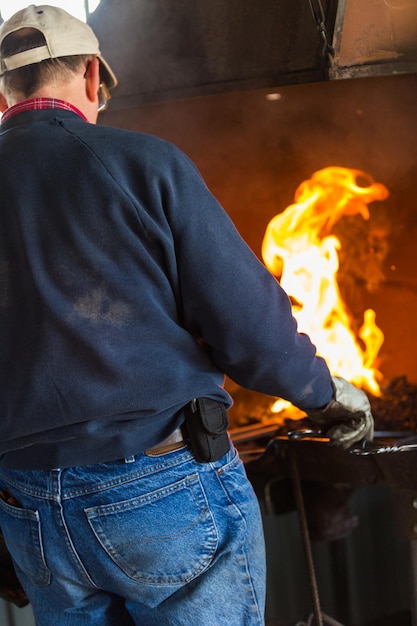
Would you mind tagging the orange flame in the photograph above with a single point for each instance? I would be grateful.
(300, 250)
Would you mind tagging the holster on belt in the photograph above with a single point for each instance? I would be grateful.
(206, 422)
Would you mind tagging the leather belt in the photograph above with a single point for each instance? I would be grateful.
(175, 441)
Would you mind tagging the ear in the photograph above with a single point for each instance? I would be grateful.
(92, 80)
(3, 103)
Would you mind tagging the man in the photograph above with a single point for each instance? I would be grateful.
(126, 294)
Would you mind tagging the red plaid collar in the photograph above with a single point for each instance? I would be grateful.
(36, 104)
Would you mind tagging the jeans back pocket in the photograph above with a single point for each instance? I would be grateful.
(21, 529)
(165, 537)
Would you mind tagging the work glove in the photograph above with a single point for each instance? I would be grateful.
(347, 419)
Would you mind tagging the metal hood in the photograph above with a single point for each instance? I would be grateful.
(166, 49)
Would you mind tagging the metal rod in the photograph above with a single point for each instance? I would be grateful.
(298, 494)
(413, 583)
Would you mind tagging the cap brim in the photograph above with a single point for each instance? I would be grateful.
(106, 73)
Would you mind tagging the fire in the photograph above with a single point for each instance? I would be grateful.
(300, 250)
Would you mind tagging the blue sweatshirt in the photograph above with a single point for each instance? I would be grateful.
(125, 292)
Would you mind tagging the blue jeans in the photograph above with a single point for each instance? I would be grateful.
(155, 541)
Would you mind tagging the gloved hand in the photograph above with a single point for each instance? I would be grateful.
(347, 418)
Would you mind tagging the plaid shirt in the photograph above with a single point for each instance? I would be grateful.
(35, 104)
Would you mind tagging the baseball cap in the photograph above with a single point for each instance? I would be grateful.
(65, 35)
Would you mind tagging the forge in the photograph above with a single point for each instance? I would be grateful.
(254, 152)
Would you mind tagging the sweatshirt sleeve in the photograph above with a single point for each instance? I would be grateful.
(233, 303)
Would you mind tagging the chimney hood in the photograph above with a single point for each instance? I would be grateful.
(165, 50)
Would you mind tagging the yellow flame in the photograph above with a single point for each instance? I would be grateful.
(300, 250)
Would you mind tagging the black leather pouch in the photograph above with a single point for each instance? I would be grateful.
(206, 421)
